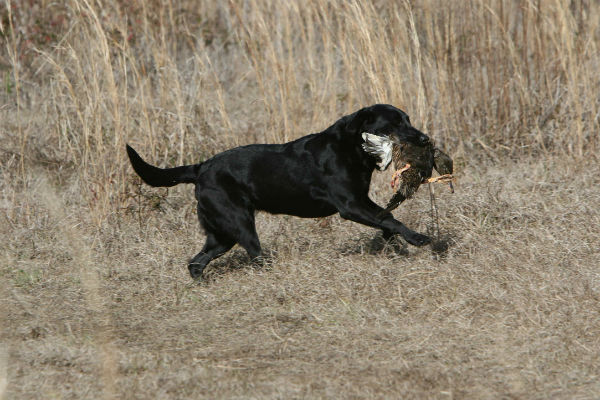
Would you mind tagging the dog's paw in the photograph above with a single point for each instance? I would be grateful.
(196, 271)
(417, 239)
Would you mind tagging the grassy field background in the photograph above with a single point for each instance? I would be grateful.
(96, 300)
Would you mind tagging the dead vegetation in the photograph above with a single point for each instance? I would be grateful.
(96, 299)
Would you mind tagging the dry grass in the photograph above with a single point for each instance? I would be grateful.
(96, 300)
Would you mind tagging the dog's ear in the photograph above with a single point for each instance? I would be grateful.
(359, 119)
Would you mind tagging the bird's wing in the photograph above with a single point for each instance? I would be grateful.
(379, 147)
(442, 162)
(444, 165)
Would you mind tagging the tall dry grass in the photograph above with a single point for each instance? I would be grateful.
(90, 280)
(183, 80)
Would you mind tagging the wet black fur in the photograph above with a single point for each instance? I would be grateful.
(315, 176)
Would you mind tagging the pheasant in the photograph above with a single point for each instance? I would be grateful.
(413, 166)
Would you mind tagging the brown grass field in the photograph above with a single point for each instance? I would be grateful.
(96, 300)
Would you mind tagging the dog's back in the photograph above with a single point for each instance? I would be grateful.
(277, 178)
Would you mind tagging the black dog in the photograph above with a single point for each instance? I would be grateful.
(314, 176)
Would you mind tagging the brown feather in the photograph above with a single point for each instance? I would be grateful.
(413, 165)
(420, 160)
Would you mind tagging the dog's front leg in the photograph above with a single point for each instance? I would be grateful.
(365, 212)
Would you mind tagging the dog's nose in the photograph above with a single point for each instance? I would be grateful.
(423, 138)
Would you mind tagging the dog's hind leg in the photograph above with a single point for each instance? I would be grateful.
(248, 238)
(214, 247)
(230, 217)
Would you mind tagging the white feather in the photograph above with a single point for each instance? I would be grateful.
(379, 147)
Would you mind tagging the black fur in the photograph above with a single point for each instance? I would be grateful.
(314, 176)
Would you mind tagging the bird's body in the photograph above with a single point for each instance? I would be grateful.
(410, 180)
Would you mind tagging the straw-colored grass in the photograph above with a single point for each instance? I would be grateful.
(95, 296)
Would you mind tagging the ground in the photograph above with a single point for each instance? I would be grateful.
(510, 310)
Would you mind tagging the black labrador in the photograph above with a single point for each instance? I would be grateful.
(315, 176)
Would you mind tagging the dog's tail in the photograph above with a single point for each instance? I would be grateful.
(163, 177)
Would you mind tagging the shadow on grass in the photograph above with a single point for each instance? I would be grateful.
(368, 244)
(237, 260)
(394, 247)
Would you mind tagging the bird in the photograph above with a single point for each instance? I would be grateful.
(413, 164)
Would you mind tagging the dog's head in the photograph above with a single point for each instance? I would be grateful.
(386, 121)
